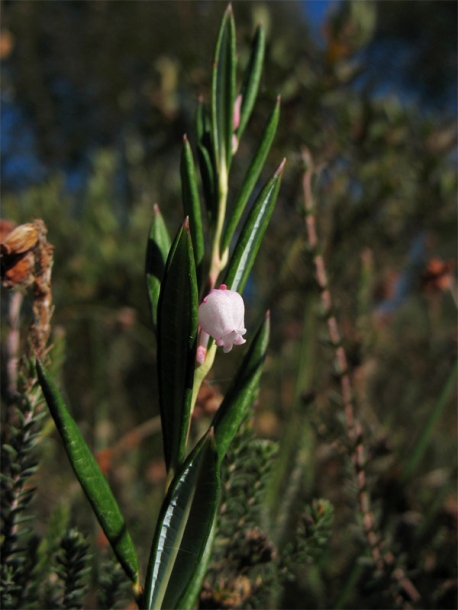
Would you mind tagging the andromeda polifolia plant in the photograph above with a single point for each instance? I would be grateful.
(180, 273)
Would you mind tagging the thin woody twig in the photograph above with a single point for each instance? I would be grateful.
(42, 297)
(130, 440)
(12, 341)
(353, 426)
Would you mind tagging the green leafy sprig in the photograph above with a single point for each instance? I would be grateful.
(177, 272)
(72, 567)
(19, 463)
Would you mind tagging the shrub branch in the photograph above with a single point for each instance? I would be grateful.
(383, 560)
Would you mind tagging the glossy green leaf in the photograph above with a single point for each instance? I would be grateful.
(242, 390)
(223, 92)
(157, 251)
(206, 159)
(203, 123)
(208, 182)
(92, 480)
(184, 526)
(191, 201)
(251, 79)
(191, 594)
(176, 345)
(252, 174)
(250, 238)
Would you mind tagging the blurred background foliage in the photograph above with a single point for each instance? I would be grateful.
(95, 99)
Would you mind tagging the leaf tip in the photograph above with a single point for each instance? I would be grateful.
(280, 168)
(185, 139)
(137, 589)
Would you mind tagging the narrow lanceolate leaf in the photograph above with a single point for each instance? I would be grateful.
(184, 526)
(251, 79)
(242, 391)
(223, 92)
(206, 158)
(156, 256)
(203, 122)
(252, 174)
(191, 201)
(176, 345)
(90, 476)
(248, 243)
(190, 596)
(207, 174)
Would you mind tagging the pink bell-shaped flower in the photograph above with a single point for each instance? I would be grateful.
(221, 315)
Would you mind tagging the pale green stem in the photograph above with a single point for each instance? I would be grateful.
(218, 259)
(201, 372)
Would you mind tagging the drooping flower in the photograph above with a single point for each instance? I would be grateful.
(221, 315)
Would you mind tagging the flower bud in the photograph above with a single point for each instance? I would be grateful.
(221, 315)
(236, 120)
(237, 108)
